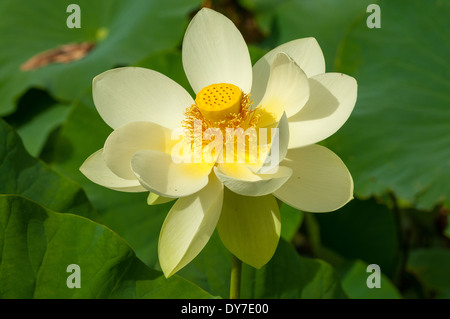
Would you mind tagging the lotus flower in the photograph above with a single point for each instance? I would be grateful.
(287, 92)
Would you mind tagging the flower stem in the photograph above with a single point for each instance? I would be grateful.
(235, 285)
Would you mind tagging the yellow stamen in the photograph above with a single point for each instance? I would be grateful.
(217, 101)
(198, 117)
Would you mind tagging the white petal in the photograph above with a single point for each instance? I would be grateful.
(188, 227)
(320, 181)
(332, 99)
(305, 52)
(214, 51)
(241, 180)
(130, 138)
(96, 170)
(133, 94)
(159, 174)
(287, 89)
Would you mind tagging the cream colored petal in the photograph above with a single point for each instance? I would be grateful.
(94, 168)
(320, 181)
(130, 138)
(305, 52)
(249, 227)
(159, 174)
(132, 94)
(241, 180)
(273, 146)
(188, 227)
(154, 199)
(332, 99)
(214, 51)
(287, 90)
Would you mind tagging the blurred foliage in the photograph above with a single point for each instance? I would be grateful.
(396, 145)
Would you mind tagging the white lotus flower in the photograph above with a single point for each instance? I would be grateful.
(290, 90)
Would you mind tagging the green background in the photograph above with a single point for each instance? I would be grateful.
(396, 144)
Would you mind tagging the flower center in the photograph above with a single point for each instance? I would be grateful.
(217, 101)
(220, 106)
(222, 118)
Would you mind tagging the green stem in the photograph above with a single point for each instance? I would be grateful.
(235, 285)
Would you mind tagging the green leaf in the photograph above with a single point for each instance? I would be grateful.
(362, 230)
(431, 267)
(354, 276)
(37, 246)
(22, 174)
(395, 139)
(36, 117)
(122, 33)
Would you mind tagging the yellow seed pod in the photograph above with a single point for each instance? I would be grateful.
(216, 101)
